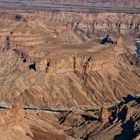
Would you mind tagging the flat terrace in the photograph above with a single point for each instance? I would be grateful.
(65, 7)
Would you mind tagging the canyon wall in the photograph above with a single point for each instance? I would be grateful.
(55, 60)
(59, 81)
(85, 23)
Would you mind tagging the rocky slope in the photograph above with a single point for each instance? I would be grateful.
(78, 25)
(55, 67)
(118, 122)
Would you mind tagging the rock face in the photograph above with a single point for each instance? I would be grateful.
(103, 114)
(56, 67)
(82, 24)
(49, 65)
(19, 124)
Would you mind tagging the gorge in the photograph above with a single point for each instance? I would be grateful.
(58, 81)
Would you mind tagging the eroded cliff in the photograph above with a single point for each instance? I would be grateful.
(55, 64)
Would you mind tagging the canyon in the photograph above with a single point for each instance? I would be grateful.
(68, 75)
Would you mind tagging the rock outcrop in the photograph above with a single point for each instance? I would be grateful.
(103, 114)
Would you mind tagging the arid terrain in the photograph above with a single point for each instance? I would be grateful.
(68, 75)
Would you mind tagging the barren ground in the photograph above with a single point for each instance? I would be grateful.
(59, 82)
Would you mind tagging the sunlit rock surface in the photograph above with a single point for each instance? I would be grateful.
(57, 81)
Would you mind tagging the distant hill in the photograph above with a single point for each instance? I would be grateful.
(130, 3)
(120, 3)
